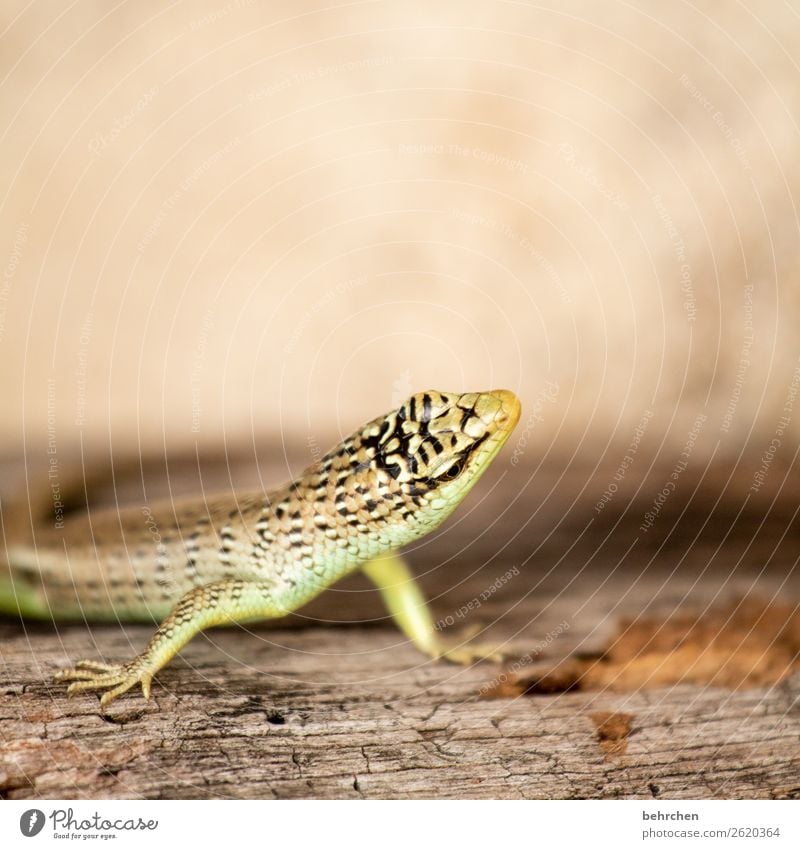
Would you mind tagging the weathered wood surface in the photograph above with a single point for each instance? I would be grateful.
(341, 713)
(311, 708)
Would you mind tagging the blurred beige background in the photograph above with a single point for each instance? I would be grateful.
(233, 220)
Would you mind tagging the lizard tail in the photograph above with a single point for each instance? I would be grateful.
(20, 583)
(21, 595)
(30, 523)
(21, 587)
(35, 509)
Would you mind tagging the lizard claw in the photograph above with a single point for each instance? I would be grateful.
(470, 653)
(465, 652)
(116, 679)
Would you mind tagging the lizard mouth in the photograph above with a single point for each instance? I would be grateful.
(507, 416)
(499, 411)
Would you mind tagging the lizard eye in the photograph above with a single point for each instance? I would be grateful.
(454, 471)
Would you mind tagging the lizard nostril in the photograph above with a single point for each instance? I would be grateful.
(508, 414)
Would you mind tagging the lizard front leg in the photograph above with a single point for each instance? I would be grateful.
(406, 604)
(220, 603)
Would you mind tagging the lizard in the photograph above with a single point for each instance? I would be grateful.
(198, 563)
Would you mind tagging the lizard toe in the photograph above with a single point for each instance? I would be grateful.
(115, 680)
(466, 655)
(96, 666)
(112, 694)
(85, 670)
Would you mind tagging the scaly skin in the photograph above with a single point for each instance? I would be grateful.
(201, 564)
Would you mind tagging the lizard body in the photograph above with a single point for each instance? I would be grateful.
(201, 563)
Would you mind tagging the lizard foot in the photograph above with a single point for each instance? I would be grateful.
(115, 679)
(470, 653)
(464, 652)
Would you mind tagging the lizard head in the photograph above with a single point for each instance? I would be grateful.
(432, 450)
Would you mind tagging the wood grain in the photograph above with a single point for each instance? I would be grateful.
(346, 713)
